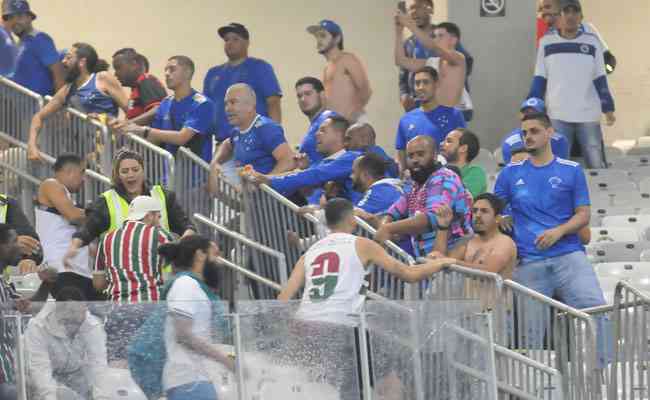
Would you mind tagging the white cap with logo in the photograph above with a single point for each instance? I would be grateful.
(142, 205)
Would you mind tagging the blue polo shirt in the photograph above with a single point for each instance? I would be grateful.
(337, 168)
(513, 142)
(8, 52)
(309, 143)
(256, 144)
(436, 123)
(541, 198)
(194, 112)
(36, 53)
(255, 72)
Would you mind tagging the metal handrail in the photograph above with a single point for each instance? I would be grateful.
(250, 275)
(160, 151)
(561, 306)
(626, 285)
(389, 243)
(22, 89)
(282, 259)
(189, 154)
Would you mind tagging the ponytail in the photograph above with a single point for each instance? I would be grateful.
(181, 254)
(102, 65)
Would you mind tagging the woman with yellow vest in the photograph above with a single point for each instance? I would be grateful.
(110, 210)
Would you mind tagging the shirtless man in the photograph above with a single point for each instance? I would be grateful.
(489, 250)
(347, 88)
(451, 65)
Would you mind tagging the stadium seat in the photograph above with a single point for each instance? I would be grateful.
(639, 150)
(486, 160)
(607, 175)
(617, 252)
(612, 152)
(622, 198)
(629, 271)
(644, 185)
(611, 186)
(598, 213)
(498, 157)
(640, 222)
(602, 234)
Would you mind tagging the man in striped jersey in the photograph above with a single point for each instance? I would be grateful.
(129, 268)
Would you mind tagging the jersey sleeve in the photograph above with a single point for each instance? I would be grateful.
(268, 83)
(46, 51)
(502, 186)
(160, 116)
(183, 297)
(201, 118)
(581, 194)
(400, 137)
(600, 81)
(399, 209)
(272, 137)
(538, 86)
(377, 200)
(314, 176)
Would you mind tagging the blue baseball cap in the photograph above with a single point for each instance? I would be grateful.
(327, 25)
(14, 7)
(535, 103)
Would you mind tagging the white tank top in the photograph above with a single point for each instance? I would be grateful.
(55, 233)
(334, 277)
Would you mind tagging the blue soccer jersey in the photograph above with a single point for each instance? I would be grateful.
(542, 198)
(436, 123)
(36, 53)
(380, 196)
(255, 145)
(308, 145)
(513, 142)
(255, 72)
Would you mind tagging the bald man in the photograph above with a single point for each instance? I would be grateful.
(433, 186)
(361, 137)
(255, 140)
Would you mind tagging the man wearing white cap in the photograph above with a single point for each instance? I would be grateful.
(129, 268)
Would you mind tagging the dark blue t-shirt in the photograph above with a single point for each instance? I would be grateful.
(255, 72)
(392, 171)
(8, 52)
(255, 146)
(194, 112)
(36, 53)
(308, 145)
(436, 123)
(542, 198)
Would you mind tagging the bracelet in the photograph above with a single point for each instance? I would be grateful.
(146, 132)
(443, 228)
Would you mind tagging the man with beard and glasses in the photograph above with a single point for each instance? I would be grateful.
(431, 118)
(460, 148)
(433, 186)
(489, 249)
(89, 88)
(311, 100)
(347, 88)
(38, 66)
(240, 68)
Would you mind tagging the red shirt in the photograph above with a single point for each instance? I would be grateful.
(542, 28)
(147, 93)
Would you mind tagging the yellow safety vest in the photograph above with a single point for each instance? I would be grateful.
(4, 205)
(118, 208)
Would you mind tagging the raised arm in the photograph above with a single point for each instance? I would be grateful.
(453, 57)
(56, 104)
(401, 60)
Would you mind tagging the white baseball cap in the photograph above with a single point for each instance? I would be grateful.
(142, 205)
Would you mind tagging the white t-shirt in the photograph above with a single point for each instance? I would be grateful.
(183, 366)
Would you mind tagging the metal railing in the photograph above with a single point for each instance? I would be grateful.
(71, 131)
(628, 375)
(17, 107)
(267, 267)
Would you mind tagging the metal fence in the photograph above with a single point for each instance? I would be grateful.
(267, 270)
(17, 107)
(628, 375)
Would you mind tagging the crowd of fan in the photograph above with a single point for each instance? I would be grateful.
(431, 198)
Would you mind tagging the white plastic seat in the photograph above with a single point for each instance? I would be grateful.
(602, 234)
(629, 271)
(640, 222)
(639, 149)
(611, 186)
(644, 185)
(612, 152)
(598, 213)
(116, 383)
(607, 174)
(634, 199)
(498, 157)
(617, 251)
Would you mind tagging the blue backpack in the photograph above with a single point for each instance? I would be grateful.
(147, 353)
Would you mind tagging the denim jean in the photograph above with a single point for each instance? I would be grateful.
(590, 138)
(571, 279)
(193, 391)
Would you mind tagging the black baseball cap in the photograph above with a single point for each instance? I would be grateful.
(234, 27)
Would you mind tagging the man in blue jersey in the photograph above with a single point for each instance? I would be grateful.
(549, 201)
(361, 137)
(8, 49)
(184, 118)
(512, 147)
(38, 66)
(240, 68)
(369, 178)
(335, 167)
(421, 11)
(570, 74)
(431, 118)
(255, 140)
(311, 100)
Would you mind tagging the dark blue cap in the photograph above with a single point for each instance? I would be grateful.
(327, 25)
(14, 7)
(535, 103)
